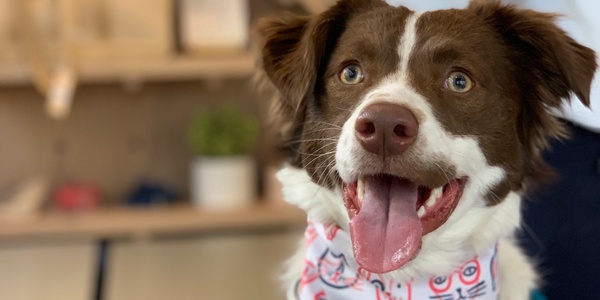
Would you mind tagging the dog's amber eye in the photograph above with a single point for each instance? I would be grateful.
(352, 75)
(459, 82)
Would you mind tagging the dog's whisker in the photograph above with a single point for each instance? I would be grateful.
(312, 122)
(442, 170)
(350, 110)
(308, 164)
(319, 181)
(315, 154)
(328, 170)
(324, 129)
(323, 146)
(297, 142)
(326, 165)
(324, 123)
(536, 239)
(319, 155)
(311, 140)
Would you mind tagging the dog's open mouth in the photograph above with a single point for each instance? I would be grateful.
(389, 216)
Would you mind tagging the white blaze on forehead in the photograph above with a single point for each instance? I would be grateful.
(429, 5)
(347, 156)
(433, 144)
(407, 42)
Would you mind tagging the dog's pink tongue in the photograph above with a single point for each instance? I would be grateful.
(386, 233)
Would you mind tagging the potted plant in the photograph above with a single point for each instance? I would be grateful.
(223, 172)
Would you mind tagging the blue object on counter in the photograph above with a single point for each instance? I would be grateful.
(152, 194)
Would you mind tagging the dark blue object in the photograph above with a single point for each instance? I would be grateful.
(562, 220)
(152, 194)
(537, 295)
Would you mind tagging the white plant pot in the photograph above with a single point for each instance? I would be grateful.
(223, 183)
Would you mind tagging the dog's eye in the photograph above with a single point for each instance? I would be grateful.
(352, 75)
(459, 82)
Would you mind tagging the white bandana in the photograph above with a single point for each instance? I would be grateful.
(330, 273)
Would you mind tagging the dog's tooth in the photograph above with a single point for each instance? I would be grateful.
(431, 201)
(435, 195)
(360, 189)
(421, 212)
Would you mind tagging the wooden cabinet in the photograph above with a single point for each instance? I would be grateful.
(48, 271)
(167, 253)
(218, 267)
(231, 266)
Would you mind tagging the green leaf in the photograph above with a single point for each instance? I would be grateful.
(223, 132)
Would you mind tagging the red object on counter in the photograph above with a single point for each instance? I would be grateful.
(77, 196)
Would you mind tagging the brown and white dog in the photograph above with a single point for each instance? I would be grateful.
(416, 134)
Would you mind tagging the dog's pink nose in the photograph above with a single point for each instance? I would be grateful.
(386, 129)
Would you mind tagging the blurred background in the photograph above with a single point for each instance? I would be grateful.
(134, 163)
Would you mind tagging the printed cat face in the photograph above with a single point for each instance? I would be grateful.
(335, 271)
(469, 282)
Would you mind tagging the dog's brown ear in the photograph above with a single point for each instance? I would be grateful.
(559, 64)
(294, 50)
(288, 57)
(291, 51)
(549, 66)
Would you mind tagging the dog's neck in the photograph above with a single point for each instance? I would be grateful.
(331, 272)
(442, 249)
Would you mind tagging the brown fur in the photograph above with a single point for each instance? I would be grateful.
(550, 67)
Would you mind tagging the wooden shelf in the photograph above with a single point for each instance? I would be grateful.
(147, 69)
(316, 6)
(142, 223)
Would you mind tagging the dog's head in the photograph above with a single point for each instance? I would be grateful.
(421, 124)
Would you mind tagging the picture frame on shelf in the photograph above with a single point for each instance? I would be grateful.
(213, 26)
(108, 29)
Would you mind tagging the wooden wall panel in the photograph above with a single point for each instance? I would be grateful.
(113, 137)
